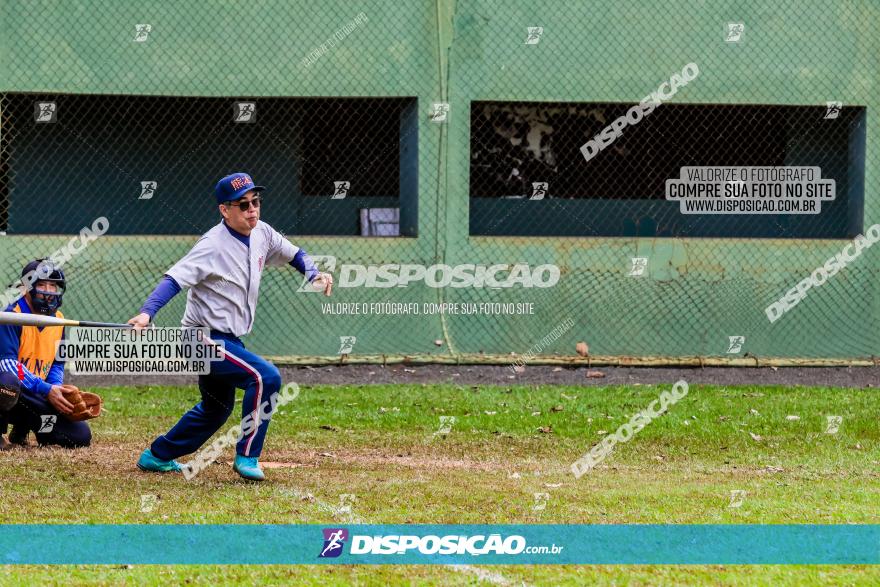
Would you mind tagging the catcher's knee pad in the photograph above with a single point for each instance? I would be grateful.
(10, 390)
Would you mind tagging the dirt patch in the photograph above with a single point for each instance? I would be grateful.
(369, 459)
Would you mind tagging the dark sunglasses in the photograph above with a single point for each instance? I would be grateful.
(244, 206)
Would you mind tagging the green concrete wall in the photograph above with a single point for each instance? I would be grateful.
(697, 291)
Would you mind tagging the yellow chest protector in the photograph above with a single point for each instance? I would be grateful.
(36, 350)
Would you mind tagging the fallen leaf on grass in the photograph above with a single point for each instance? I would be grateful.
(755, 437)
(545, 429)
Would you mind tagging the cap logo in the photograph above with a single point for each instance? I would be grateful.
(240, 182)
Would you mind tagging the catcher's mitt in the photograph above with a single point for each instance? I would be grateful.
(86, 405)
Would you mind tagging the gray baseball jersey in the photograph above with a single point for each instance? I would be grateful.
(223, 276)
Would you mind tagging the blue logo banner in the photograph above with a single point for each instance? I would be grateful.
(440, 544)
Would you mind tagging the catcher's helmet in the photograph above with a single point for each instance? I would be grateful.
(44, 302)
(10, 389)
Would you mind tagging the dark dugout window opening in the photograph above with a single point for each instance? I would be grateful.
(96, 155)
(528, 176)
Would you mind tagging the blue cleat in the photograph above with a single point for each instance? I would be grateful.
(148, 462)
(248, 468)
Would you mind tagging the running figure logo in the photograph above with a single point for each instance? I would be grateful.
(735, 32)
(340, 190)
(832, 109)
(325, 263)
(334, 540)
(47, 423)
(148, 189)
(539, 190)
(245, 112)
(534, 35)
(346, 344)
(439, 111)
(735, 344)
(142, 32)
(45, 111)
(639, 264)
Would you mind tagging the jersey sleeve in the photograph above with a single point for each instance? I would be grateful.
(281, 251)
(30, 383)
(304, 264)
(10, 340)
(167, 289)
(56, 374)
(195, 266)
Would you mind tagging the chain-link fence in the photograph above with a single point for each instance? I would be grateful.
(531, 151)
(482, 177)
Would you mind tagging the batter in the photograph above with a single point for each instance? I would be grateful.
(222, 273)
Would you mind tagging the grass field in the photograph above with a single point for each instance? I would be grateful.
(378, 443)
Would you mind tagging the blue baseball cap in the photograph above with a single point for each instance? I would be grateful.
(233, 187)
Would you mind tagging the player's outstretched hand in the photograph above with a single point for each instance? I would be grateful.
(140, 321)
(58, 401)
(324, 281)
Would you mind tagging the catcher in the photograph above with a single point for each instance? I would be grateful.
(55, 412)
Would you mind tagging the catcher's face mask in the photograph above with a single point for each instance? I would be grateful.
(48, 285)
(10, 390)
(46, 297)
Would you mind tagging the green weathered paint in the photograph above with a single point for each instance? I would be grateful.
(697, 292)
